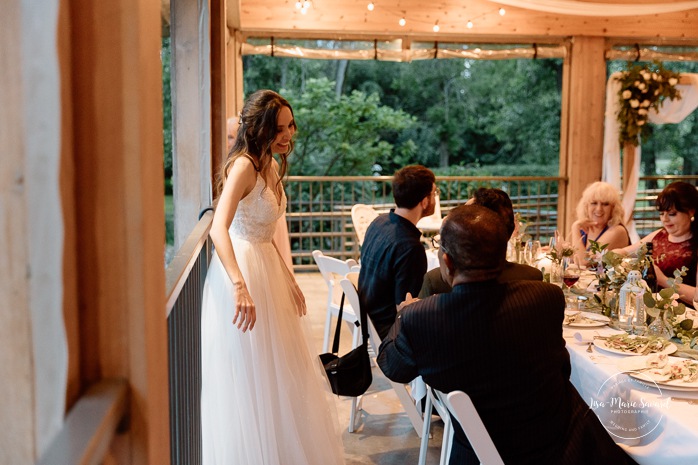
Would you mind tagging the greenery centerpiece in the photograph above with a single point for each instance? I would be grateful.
(643, 87)
(611, 271)
(665, 307)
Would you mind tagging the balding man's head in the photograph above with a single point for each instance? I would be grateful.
(475, 240)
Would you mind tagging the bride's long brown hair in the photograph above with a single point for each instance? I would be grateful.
(256, 134)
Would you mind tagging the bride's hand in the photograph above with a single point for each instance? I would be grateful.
(245, 312)
(299, 299)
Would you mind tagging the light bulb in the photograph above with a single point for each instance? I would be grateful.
(306, 4)
(469, 25)
(304, 10)
(502, 12)
(402, 21)
(370, 6)
(436, 27)
(299, 5)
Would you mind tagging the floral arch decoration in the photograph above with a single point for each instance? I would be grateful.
(641, 95)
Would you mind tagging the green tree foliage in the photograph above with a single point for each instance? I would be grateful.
(166, 112)
(473, 113)
(346, 135)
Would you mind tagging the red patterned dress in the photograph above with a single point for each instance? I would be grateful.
(675, 255)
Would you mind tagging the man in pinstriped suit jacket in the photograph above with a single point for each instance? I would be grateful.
(502, 344)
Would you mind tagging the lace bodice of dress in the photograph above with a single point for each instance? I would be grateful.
(256, 215)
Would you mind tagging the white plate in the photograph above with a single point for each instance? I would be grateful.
(599, 320)
(648, 378)
(601, 344)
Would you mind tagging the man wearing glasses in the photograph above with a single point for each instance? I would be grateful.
(393, 260)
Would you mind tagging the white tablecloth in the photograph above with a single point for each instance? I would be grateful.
(668, 429)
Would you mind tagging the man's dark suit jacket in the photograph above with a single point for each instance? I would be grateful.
(434, 283)
(502, 344)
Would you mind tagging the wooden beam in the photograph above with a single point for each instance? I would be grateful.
(17, 407)
(191, 113)
(119, 179)
(584, 108)
(452, 15)
(219, 33)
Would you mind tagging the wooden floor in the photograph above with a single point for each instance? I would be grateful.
(384, 434)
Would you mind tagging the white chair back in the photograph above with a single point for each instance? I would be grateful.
(332, 270)
(361, 217)
(462, 408)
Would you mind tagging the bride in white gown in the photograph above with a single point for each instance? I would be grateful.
(265, 399)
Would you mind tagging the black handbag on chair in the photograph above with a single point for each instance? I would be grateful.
(349, 375)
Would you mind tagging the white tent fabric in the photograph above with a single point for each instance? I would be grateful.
(579, 8)
(672, 111)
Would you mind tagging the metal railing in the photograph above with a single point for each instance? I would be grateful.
(185, 277)
(319, 208)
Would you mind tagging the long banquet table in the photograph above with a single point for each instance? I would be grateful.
(665, 432)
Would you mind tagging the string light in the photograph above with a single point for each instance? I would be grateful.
(403, 20)
(304, 6)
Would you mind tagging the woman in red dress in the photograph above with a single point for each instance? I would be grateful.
(674, 245)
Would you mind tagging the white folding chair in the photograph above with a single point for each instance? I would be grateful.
(433, 401)
(361, 217)
(332, 270)
(352, 296)
(462, 408)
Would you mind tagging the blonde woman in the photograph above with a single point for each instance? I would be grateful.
(599, 218)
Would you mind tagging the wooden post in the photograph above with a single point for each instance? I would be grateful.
(583, 115)
(117, 157)
(219, 32)
(191, 113)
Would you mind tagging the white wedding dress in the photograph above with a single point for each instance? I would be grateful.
(265, 399)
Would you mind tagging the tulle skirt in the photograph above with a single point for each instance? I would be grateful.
(265, 399)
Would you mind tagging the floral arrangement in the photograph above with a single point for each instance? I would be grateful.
(643, 88)
(611, 273)
(560, 249)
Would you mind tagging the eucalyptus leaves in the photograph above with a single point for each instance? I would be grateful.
(643, 88)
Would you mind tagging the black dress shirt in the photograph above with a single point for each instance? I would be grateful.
(393, 263)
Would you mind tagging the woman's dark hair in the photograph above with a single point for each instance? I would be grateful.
(258, 129)
(411, 184)
(682, 197)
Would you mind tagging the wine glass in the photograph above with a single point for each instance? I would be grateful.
(531, 251)
(570, 276)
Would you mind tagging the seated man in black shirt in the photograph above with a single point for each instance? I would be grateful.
(393, 259)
